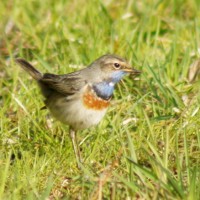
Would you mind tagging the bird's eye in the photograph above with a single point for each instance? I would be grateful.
(117, 65)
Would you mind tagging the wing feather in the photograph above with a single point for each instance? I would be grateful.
(64, 84)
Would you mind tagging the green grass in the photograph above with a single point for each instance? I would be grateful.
(148, 144)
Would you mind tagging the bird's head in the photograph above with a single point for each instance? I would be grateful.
(113, 68)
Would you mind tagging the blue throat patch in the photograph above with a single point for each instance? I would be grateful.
(105, 89)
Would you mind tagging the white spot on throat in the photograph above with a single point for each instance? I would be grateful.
(111, 84)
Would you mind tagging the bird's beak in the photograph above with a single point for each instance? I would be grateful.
(132, 71)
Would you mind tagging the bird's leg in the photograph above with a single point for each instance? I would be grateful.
(75, 147)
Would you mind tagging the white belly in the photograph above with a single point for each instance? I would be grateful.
(75, 114)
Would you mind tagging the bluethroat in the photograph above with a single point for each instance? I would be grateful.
(80, 99)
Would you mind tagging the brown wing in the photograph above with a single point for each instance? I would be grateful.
(51, 83)
(63, 84)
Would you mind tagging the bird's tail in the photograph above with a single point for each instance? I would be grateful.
(29, 68)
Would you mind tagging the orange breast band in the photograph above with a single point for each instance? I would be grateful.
(92, 101)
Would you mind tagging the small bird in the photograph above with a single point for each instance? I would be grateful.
(80, 99)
